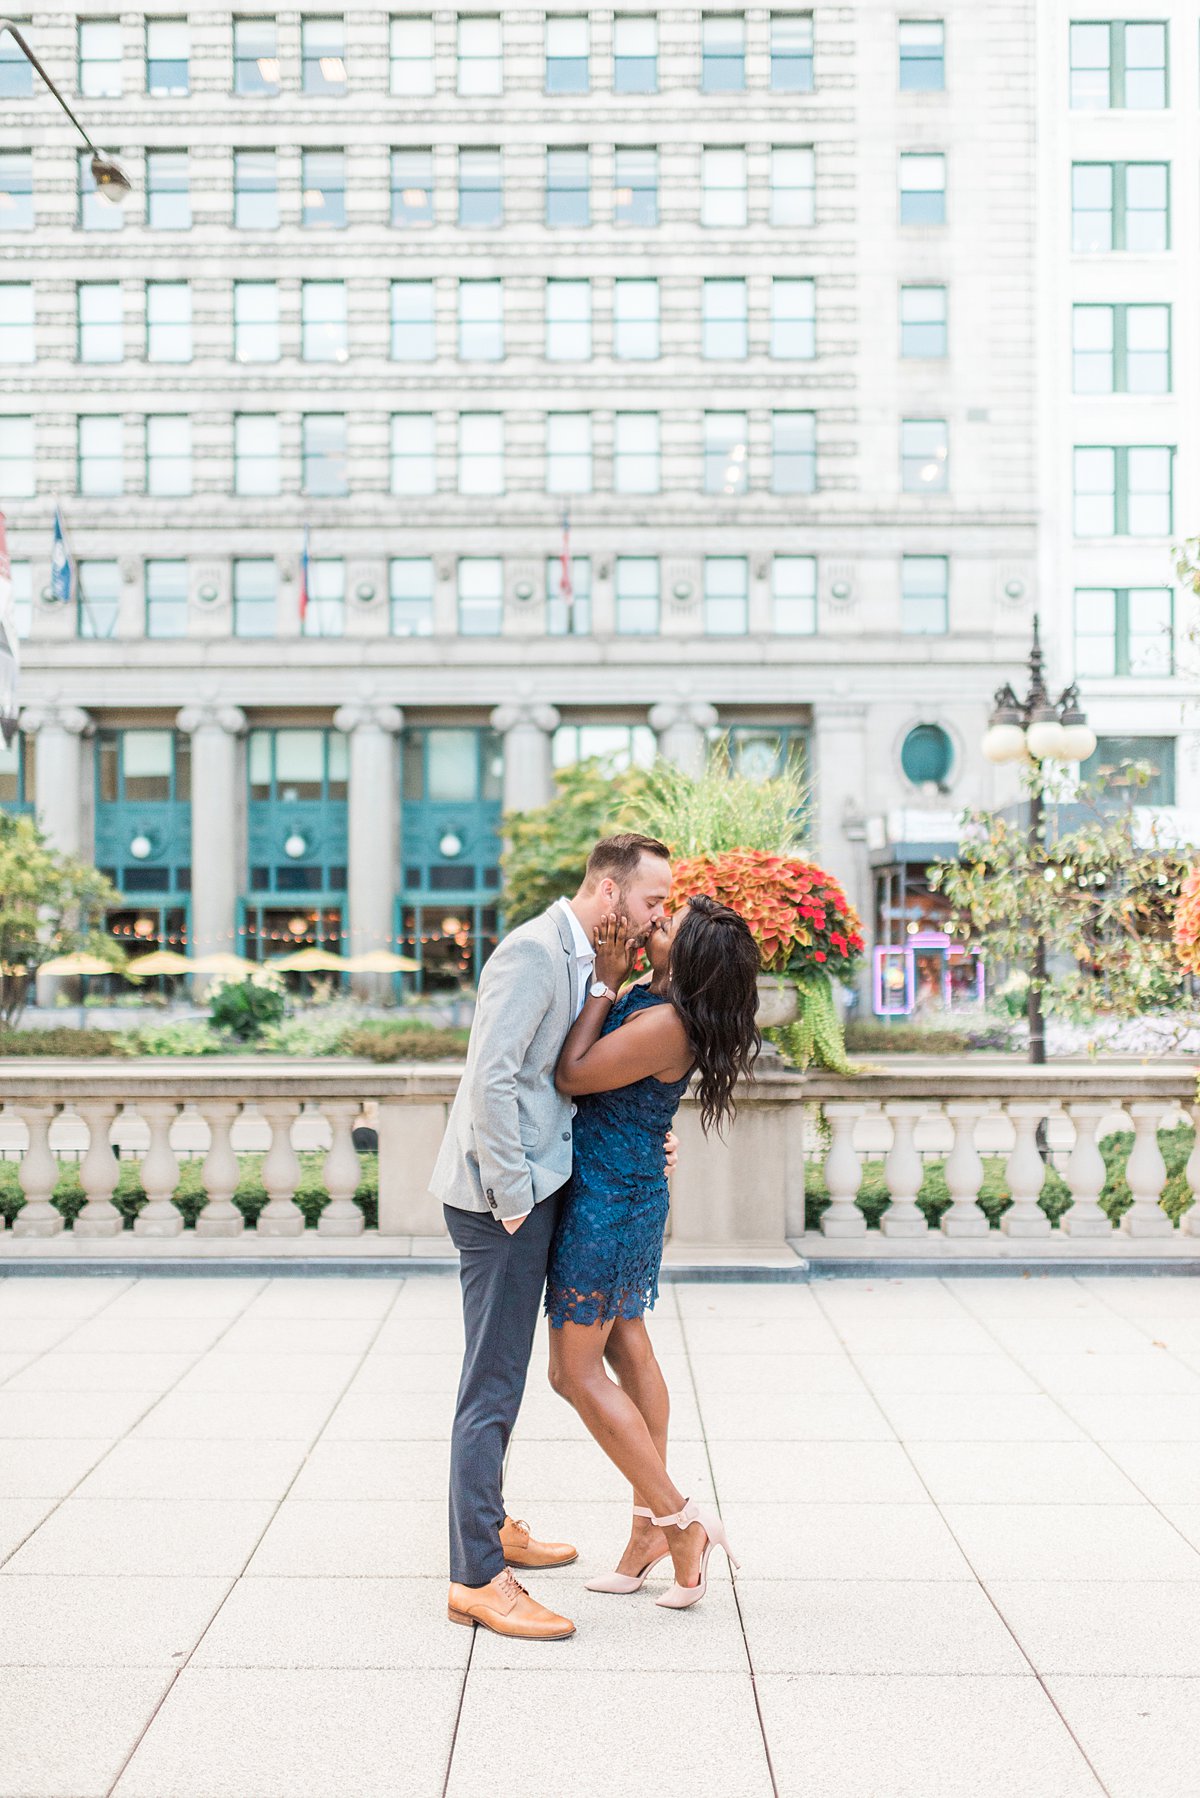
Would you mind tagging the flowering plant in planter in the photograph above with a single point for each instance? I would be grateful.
(1185, 929)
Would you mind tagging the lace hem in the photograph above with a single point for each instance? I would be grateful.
(565, 1305)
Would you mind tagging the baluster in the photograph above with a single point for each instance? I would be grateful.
(220, 1216)
(1146, 1174)
(1025, 1171)
(159, 1216)
(38, 1174)
(843, 1172)
(1191, 1217)
(99, 1172)
(903, 1169)
(1085, 1171)
(964, 1173)
(341, 1217)
(280, 1216)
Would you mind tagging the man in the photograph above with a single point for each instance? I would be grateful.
(503, 1163)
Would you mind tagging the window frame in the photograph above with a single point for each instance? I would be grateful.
(1122, 636)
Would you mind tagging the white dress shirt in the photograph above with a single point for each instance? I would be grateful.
(585, 957)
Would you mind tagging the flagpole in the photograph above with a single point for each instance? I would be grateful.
(76, 566)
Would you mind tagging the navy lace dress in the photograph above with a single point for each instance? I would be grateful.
(608, 1246)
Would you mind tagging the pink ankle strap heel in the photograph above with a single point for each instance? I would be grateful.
(680, 1598)
(624, 1583)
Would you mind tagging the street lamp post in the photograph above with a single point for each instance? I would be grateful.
(108, 175)
(1036, 730)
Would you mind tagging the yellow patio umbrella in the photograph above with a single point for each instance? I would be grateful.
(159, 961)
(79, 963)
(223, 962)
(382, 961)
(309, 961)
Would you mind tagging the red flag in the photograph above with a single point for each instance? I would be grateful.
(566, 586)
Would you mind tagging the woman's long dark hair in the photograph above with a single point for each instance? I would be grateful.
(714, 970)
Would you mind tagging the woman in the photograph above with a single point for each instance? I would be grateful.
(629, 1060)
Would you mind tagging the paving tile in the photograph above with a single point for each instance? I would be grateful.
(743, 1298)
(957, 1334)
(1037, 1542)
(161, 1467)
(58, 1295)
(1179, 1334)
(274, 1733)
(389, 1373)
(759, 1336)
(817, 1472)
(19, 1517)
(1095, 1331)
(105, 1335)
(1153, 1296)
(77, 1414)
(189, 1537)
(1140, 1734)
(71, 1734)
(1185, 1519)
(795, 1417)
(1154, 1371)
(545, 1417)
(398, 1470)
(977, 1375)
(258, 1416)
(1034, 1473)
(406, 1417)
(715, 1746)
(31, 1335)
(874, 1626)
(203, 1296)
(1122, 1627)
(299, 1335)
(429, 1295)
(60, 1371)
(328, 1297)
(382, 1623)
(11, 1364)
(353, 1538)
(100, 1620)
(966, 1736)
(802, 1541)
(986, 1417)
(295, 1373)
(1164, 1472)
(883, 1298)
(42, 1468)
(403, 1335)
(536, 1471)
(1146, 1417)
(629, 1634)
(769, 1375)
(1049, 1295)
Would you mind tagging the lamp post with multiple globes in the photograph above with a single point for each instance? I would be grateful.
(108, 175)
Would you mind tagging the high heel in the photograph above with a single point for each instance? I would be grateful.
(679, 1598)
(624, 1583)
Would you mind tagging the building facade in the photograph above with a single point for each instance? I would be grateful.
(762, 310)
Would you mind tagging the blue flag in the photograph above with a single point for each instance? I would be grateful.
(62, 569)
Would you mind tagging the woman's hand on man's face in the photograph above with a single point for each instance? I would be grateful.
(615, 949)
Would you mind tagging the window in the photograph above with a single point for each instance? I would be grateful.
(412, 187)
(568, 321)
(254, 585)
(18, 759)
(762, 751)
(168, 321)
(99, 599)
(635, 196)
(22, 585)
(1124, 631)
(323, 329)
(414, 334)
(566, 56)
(568, 203)
(791, 53)
(410, 586)
(1120, 206)
(100, 323)
(635, 320)
(793, 319)
(255, 321)
(16, 458)
(480, 194)
(723, 187)
(297, 766)
(16, 189)
(722, 53)
(725, 329)
(923, 322)
(1111, 761)
(793, 452)
(924, 595)
(255, 57)
(569, 614)
(480, 321)
(256, 453)
(480, 596)
(480, 56)
(168, 455)
(1119, 64)
(168, 202)
(725, 453)
(1121, 349)
(1123, 492)
(480, 452)
(96, 211)
(325, 614)
(323, 71)
(635, 55)
(323, 179)
(16, 322)
(323, 454)
(794, 595)
(568, 452)
(167, 51)
(413, 465)
(166, 599)
(16, 71)
(922, 188)
(924, 455)
(922, 55)
(100, 58)
(793, 186)
(255, 190)
(635, 584)
(726, 596)
(635, 452)
(618, 746)
(411, 52)
(927, 756)
(101, 455)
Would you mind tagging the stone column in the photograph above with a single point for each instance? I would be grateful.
(374, 809)
(216, 812)
(838, 788)
(60, 731)
(682, 727)
(526, 726)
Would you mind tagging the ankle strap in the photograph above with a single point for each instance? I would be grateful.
(643, 1511)
(679, 1519)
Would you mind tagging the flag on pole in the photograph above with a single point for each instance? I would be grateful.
(304, 579)
(62, 564)
(10, 653)
(566, 585)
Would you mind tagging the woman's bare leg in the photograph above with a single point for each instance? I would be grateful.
(630, 1354)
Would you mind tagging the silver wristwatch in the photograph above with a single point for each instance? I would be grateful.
(598, 990)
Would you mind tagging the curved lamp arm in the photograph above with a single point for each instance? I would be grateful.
(108, 176)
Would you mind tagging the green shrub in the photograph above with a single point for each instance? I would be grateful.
(61, 1039)
(244, 1007)
(869, 1036)
(195, 1036)
(400, 1042)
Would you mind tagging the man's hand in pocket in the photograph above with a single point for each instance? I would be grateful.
(671, 1145)
(513, 1224)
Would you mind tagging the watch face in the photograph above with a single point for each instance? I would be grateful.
(597, 989)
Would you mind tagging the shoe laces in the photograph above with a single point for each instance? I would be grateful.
(509, 1585)
(519, 1523)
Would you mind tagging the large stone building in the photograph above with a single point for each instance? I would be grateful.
(776, 304)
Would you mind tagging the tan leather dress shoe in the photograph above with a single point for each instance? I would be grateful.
(505, 1607)
(520, 1549)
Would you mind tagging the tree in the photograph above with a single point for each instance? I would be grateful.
(50, 904)
(547, 849)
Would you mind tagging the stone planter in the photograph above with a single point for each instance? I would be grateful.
(777, 1002)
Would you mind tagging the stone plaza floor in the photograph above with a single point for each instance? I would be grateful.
(968, 1512)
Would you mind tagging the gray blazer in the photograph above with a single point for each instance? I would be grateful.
(508, 1140)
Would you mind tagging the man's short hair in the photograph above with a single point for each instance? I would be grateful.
(617, 858)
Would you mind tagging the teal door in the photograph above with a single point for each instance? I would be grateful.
(297, 831)
(450, 852)
(143, 837)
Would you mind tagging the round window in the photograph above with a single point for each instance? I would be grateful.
(927, 755)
